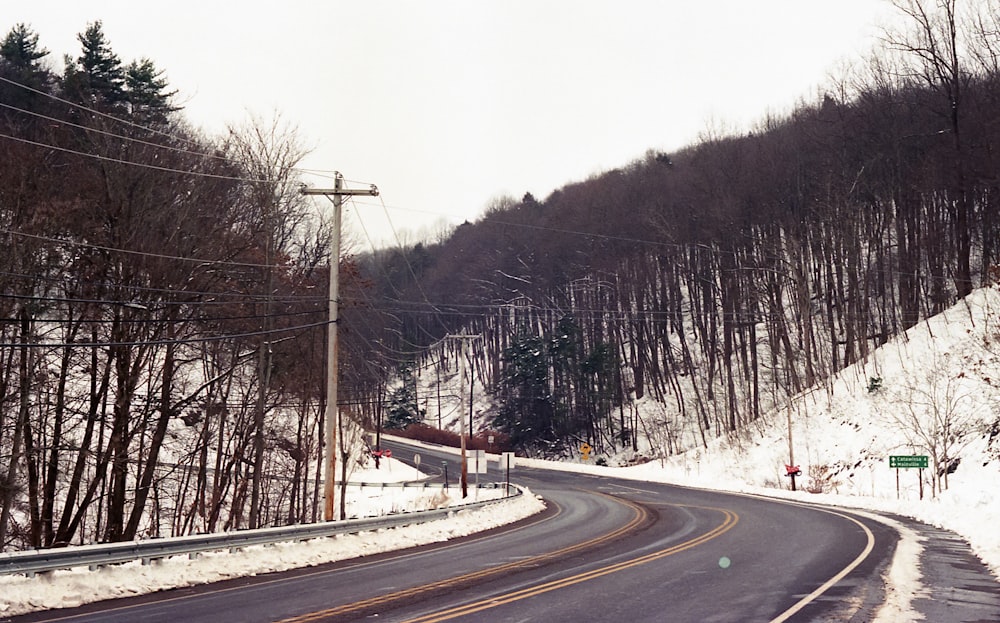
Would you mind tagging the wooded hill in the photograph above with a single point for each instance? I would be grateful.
(725, 277)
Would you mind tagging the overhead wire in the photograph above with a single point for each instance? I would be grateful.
(409, 266)
(394, 354)
(163, 256)
(145, 128)
(123, 137)
(367, 319)
(109, 116)
(173, 292)
(403, 253)
(164, 342)
(319, 172)
(133, 163)
(88, 320)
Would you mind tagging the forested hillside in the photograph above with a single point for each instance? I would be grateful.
(725, 277)
(163, 308)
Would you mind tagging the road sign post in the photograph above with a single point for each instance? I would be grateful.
(920, 462)
(507, 460)
(910, 461)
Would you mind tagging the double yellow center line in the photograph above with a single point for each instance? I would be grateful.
(640, 515)
(444, 615)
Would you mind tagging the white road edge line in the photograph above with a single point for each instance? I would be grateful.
(802, 603)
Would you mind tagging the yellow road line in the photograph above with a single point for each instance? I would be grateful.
(639, 515)
(349, 564)
(730, 520)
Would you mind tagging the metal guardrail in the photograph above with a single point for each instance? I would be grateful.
(30, 562)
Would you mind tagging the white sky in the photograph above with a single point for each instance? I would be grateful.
(446, 105)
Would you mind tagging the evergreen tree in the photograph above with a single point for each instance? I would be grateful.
(20, 50)
(526, 406)
(145, 91)
(402, 409)
(21, 62)
(96, 77)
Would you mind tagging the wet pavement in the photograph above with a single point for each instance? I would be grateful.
(959, 587)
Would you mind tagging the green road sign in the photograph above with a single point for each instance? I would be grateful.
(914, 461)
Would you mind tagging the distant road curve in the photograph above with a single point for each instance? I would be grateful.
(604, 550)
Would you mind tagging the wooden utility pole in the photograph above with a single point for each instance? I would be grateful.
(335, 194)
(461, 417)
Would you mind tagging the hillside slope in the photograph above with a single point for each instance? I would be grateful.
(935, 388)
(933, 391)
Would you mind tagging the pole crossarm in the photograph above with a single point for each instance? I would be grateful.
(342, 192)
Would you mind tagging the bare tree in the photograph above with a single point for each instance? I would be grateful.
(939, 416)
(934, 41)
(268, 152)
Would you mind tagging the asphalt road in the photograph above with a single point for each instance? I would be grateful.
(605, 549)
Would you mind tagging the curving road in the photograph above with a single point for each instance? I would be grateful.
(605, 549)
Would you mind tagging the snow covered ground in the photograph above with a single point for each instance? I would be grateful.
(69, 588)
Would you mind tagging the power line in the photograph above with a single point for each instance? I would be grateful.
(144, 165)
(96, 112)
(199, 319)
(214, 338)
(113, 135)
(175, 137)
(242, 298)
(162, 256)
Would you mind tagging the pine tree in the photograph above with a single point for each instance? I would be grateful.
(145, 91)
(402, 409)
(21, 62)
(96, 77)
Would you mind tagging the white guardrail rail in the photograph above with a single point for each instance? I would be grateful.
(30, 562)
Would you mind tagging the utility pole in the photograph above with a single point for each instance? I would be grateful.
(461, 417)
(336, 195)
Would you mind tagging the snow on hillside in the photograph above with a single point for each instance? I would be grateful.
(934, 390)
(943, 373)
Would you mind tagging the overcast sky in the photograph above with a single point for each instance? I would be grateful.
(446, 106)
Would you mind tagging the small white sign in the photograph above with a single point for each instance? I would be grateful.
(477, 462)
(507, 460)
